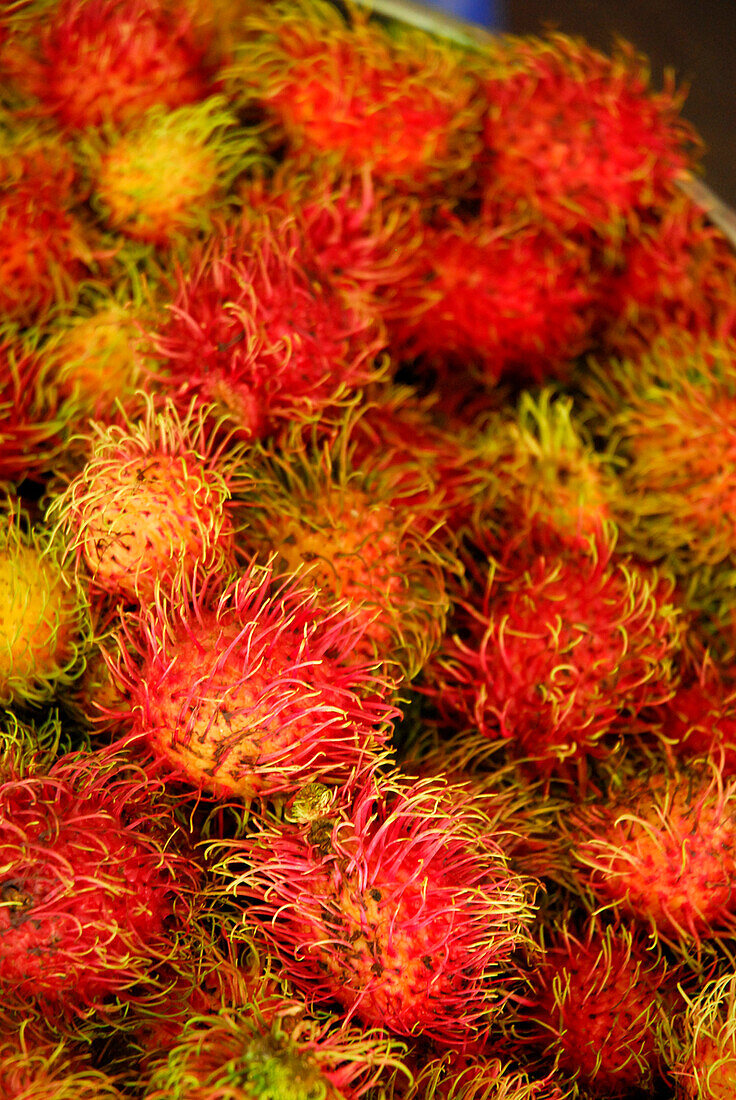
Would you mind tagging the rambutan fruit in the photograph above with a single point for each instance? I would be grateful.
(45, 250)
(660, 847)
(254, 333)
(453, 1076)
(108, 61)
(93, 887)
(670, 411)
(400, 102)
(168, 175)
(244, 1057)
(44, 615)
(246, 688)
(151, 503)
(674, 269)
(579, 139)
(700, 1042)
(37, 1065)
(598, 997)
(504, 299)
(396, 901)
(700, 718)
(347, 530)
(547, 646)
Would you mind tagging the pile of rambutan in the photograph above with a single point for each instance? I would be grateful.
(367, 564)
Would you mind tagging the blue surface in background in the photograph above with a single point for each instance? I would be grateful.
(489, 13)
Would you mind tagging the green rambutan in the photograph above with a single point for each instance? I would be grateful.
(394, 900)
(247, 687)
(107, 61)
(400, 102)
(580, 140)
(700, 1042)
(661, 848)
(150, 504)
(44, 615)
(548, 644)
(168, 175)
(253, 332)
(598, 997)
(453, 1076)
(244, 1057)
(92, 887)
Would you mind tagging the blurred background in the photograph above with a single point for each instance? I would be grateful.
(694, 38)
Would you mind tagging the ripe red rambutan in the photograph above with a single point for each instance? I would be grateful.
(501, 298)
(244, 1056)
(98, 61)
(253, 332)
(598, 997)
(395, 900)
(44, 615)
(661, 848)
(347, 530)
(92, 886)
(246, 688)
(167, 175)
(403, 103)
(700, 718)
(548, 646)
(150, 504)
(578, 139)
(670, 411)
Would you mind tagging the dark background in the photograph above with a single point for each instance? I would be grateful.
(694, 38)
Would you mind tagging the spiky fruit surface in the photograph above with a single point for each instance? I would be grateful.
(254, 333)
(248, 689)
(676, 268)
(149, 506)
(402, 103)
(168, 175)
(393, 900)
(90, 881)
(548, 647)
(661, 847)
(599, 996)
(31, 419)
(244, 1057)
(36, 1065)
(580, 139)
(348, 533)
(671, 410)
(477, 1077)
(98, 61)
(44, 616)
(509, 300)
(700, 718)
(45, 251)
(701, 1042)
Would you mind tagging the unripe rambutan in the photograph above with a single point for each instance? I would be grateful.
(395, 901)
(247, 689)
(549, 645)
(150, 504)
(671, 413)
(98, 61)
(252, 331)
(166, 176)
(92, 886)
(488, 294)
(44, 616)
(244, 1057)
(598, 996)
(350, 533)
(578, 139)
(661, 847)
(701, 1042)
(454, 1076)
(403, 103)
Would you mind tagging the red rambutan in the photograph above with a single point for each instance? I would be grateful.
(700, 1044)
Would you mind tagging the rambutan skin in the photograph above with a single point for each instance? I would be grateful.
(395, 900)
(91, 880)
(245, 687)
